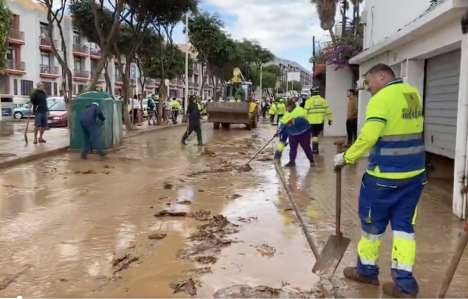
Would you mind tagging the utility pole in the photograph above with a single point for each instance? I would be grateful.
(261, 81)
(313, 54)
(186, 61)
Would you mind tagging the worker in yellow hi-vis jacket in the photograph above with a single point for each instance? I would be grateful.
(317, 110)
(393, 182)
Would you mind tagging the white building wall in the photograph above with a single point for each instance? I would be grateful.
(384, 17)
(339, 82)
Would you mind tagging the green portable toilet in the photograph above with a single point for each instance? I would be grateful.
(111, 131)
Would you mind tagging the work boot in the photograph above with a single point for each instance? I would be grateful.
(391, 290)
(183, 141)
(290, 164)
(315, 147)
(278, 155)
(312, 164)
(352, 274)
(200, 144)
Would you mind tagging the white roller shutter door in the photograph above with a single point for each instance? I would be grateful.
(441, 99)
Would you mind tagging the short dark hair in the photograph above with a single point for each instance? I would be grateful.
(381, 67)
(352, 91)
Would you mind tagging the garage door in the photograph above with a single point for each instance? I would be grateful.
(441, 101)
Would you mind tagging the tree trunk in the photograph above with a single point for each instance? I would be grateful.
(332, 36)
(344, 4)
(107, 78)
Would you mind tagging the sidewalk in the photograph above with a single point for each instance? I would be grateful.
(14, 150)
(436, 229)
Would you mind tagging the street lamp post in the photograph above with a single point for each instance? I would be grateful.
(186, 61)
(261, 81)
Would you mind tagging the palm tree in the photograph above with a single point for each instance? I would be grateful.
(326, 10)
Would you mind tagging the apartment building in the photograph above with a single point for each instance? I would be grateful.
(287, 66)
(31, 59)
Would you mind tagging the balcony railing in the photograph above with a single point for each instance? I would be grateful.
(150, 82)
(47, 41)
(48, 69)
(80, 49)
(16, 34)
(12, 64)
(81, 73)
(95, 52)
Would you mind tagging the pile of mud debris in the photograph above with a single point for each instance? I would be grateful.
(209, 239)
(246, 291)
(222, 167)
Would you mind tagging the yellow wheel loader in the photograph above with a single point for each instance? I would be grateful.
(238, 106)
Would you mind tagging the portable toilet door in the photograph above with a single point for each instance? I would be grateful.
(7, 105)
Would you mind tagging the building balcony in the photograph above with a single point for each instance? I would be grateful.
(81, 75)
(150, 82)
(80, 50)
(95, 53)
(193, 84)
(15, 67)
(45, 44)
(118, 80)
(48, 71)
(16, 37)
(100, 78)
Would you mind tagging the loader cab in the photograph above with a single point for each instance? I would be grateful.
(238, 91)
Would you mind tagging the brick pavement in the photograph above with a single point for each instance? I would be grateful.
(436, 229)
(13, 149)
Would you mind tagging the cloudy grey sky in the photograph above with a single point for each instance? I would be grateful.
(285, 27)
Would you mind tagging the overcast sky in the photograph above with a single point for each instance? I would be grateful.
(285, 27)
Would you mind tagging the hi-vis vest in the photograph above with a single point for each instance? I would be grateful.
(317, 109)
(280, 108)
(272, 110)
(297, 120)
(399, 152)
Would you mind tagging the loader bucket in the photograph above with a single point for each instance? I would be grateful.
(229, 113)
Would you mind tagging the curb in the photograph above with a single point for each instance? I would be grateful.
(64, 149)
(325, 284)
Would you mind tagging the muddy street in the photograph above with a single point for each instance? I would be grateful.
(154, 220)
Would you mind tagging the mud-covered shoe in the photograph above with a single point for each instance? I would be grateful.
(352, 274)
(312, 164)
(391, 290)
(183, 142)
(290, 164)
(277, 155)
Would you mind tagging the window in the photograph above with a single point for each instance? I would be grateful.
(10, 54)
(44, 28)
(58, 106)
(93, 66)
(76, 38)
(79, 65)
(48, 87)
(55, 88)
(15, 86)
(26, 87)
(45, 58)
(80, 88)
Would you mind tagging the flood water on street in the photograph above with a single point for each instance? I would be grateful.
(150, 221)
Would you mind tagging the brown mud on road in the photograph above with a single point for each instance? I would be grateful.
(155, 220)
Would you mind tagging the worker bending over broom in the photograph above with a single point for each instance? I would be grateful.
(294, 125)
(393, 182)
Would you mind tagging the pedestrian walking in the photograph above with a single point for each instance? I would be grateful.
(272, 111)
(40, 109)
(294, 125)
(90, 129)
(280, 110)
(194, 124)
(351, 121)
(393, 182)
(175, 110)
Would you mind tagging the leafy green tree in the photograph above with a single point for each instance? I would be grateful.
(292, 85)
(207, 37)
(6, 18)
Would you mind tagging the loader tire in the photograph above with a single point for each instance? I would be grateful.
(225, 125)
(216, 126)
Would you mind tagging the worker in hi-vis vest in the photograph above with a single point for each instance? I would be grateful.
(317, 110)
(393, 182)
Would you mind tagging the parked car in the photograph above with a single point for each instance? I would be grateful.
(58, 115)
(22, 112)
